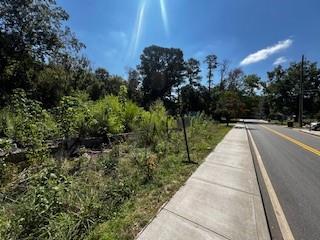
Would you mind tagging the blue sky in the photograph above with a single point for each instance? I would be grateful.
(253, 34)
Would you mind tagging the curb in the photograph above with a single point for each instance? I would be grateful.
(258, 178)
(310, 133)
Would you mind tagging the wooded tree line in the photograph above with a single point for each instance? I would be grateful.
(39, 54)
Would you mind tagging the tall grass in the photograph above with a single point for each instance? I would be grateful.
(110, 196)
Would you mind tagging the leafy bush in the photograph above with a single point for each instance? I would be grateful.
(153, 125)
(108, 116)
(58, 205)
(43, 199)
(28, 124)
(73, 116)
(132, 115)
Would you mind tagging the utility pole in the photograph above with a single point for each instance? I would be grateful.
(301, 93)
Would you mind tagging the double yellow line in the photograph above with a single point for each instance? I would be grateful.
(304, 146)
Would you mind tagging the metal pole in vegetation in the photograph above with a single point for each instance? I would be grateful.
(167, 128)
(186, 138)
(301, 93)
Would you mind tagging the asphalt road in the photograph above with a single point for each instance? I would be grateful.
(295, 175)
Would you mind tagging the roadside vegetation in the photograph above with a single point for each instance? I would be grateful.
(51, 98)
(111, 195)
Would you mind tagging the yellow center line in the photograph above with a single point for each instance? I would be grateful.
(304, 146)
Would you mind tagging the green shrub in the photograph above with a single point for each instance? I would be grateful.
(28, 124)
(43, 199)
(153, 125)
(73, 116)
(132, 115)
(108, 116)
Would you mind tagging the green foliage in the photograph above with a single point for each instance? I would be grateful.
(229, 106)
(42, 200)
(108, 116)
(73, 116)
(166, 174)
(5, 145)
(123, 94)
(193, 71)
(132, 115)
(211, 61)
(68, 200)
(63, 203)
(282, 90)
(31, 33)
(153, 124)
(252, 83)
(110, 162)
(134, 81)
(52, 83)
(114, 114)
(28, 124)
(161, 70)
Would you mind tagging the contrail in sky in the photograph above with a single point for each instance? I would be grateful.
(140, 22)
(164, 16)
(138, 29)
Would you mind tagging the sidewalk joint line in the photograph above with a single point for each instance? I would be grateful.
(222, 185)
(199, 225)
(221, 164)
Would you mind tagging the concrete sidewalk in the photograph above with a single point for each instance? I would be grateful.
(221, 200)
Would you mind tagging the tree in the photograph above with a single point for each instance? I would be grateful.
(224, 67)
(211, 61)
(229, 106)
(32, 33)
(282, 90)
(161, 69)
(36, 27)
(97, 87)
(234, 81)
(102, 74)
(191, 99)
(252, 101)
(113, 85)
(134, 82)
(51, 85)
(192, 67)
(104, 84)
(251, 83)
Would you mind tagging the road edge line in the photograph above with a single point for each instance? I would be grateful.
(278, 211)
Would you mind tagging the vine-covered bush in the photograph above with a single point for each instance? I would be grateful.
(28, 124)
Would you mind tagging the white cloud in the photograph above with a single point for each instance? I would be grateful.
(266, 52)
(280, 60)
